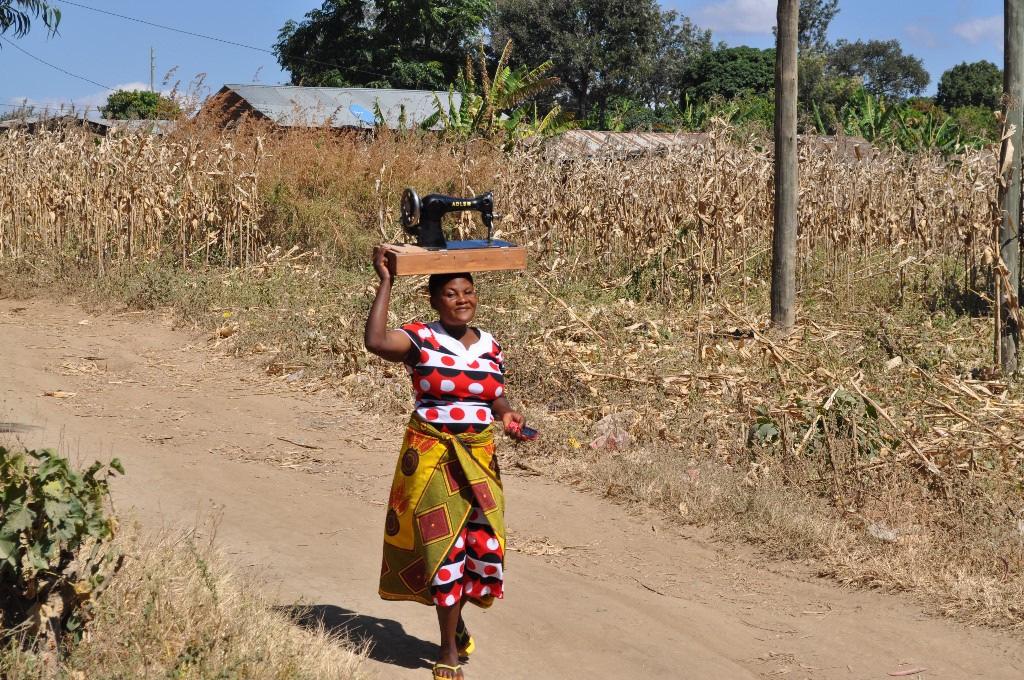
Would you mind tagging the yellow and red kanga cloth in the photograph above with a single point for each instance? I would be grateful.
(439, 479)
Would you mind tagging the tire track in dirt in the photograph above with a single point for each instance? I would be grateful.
(297, 481)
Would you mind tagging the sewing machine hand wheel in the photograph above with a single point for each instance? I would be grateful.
(410, 210)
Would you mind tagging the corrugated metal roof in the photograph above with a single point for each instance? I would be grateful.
(591, 143)
(598, 143)
(294, 106)
(95, 121)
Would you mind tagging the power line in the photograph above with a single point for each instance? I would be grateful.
(167, 28)
(53, 66)
(225, 41)
(50, 106)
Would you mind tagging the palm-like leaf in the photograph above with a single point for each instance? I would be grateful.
(494, 103)
(17, 15)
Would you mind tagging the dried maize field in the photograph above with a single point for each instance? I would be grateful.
(876, 440)
(687, 216)
(703, 214)
(68, 195)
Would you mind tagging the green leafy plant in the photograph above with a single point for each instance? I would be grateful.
(846, 415)
(911, 126)
(55, 556)
(499, 104)
(765, 430)
(140, 105)
(923, 131)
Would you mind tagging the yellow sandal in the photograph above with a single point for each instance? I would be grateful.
(466, 643)
(445, 667)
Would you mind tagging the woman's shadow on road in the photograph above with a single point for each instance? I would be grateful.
(389, 643)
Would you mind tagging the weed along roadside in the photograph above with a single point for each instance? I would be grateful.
(75, 584)
(874, 441)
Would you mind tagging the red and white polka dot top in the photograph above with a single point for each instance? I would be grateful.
(454, 384)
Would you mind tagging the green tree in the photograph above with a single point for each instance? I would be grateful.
(815, 17)
(679, 42)
(419, 44)
(823, 94)
(17, 15)
(881, 65)
(730, 72)
(976, 84)
(600, 48)
(330, 47)
(139, 105)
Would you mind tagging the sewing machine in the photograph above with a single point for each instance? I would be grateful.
(435, 254)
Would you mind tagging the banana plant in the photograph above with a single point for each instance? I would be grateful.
(869, 117)
(927, 132)
(456, 118)
(498, 104)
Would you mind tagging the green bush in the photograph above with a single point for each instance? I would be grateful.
(976, 84)
(730, 72)
(54, 544)
(977, 121)
(140, 104)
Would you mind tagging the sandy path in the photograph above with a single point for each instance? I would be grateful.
(618, 595)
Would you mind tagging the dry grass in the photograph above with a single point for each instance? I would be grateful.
(682, 224)
(68, 197)
(178, 610)
(336, 194)
(876, 440)
(201, 196)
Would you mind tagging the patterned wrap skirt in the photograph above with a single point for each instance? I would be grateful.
(444, 533)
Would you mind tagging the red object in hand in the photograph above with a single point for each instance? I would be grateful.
(523, 434)
(528, 433)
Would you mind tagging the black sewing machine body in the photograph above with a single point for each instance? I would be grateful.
(421, 217)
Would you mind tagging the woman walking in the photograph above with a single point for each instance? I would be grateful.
(444, 533)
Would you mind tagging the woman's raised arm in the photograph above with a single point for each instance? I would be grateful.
(391, 345)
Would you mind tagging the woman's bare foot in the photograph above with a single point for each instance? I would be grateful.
(449, 658)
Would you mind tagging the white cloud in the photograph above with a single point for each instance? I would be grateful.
(90, 101)
(922, 36)
(739, 16)
(982, 29)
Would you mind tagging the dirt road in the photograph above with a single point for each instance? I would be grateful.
(298, 482)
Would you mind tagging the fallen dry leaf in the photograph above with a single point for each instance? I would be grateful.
(59, 394)
(227, 330)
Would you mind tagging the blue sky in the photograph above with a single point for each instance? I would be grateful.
(115, 53)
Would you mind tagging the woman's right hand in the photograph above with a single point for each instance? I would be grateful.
(380, 264)
(392, 345)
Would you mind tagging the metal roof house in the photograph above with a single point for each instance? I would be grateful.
(595, 144)
(337, 107)
(90, 120)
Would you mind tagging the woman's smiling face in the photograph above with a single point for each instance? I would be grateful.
(455, 302)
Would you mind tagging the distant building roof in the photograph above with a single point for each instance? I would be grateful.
(598, 143)
(340, 107)
(592, 143)
(90, 119)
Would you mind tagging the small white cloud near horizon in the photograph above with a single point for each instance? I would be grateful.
(90, 101)
(981, 29)
(738, 16)
(922, 35)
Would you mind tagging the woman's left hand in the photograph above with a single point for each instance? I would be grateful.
(512, 421)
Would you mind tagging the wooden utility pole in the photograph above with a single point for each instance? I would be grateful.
(787, 177)
(152, 70)
(1008, 327)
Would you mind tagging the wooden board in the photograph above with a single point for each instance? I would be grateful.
(407, 260)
